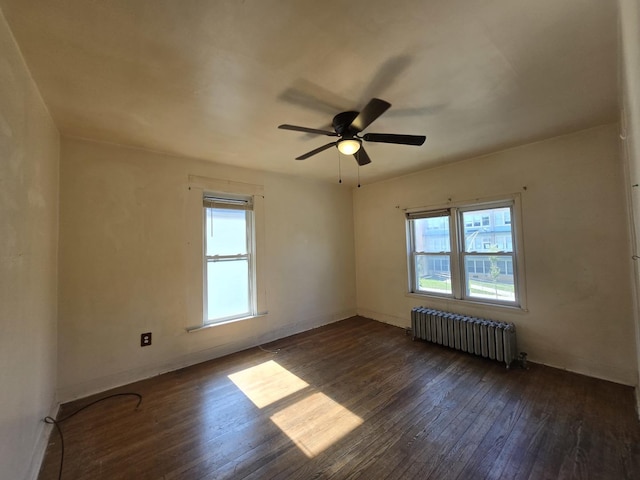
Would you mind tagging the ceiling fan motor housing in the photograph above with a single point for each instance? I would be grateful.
(341, 123)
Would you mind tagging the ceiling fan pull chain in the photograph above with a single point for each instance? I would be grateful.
(339, 167)
(358, 170)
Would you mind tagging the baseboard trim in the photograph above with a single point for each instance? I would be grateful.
(119, 379)
(385, 318)
(308, 324)
(43, 441)
(540, 355)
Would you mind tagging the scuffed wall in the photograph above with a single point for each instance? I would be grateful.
(29, 153)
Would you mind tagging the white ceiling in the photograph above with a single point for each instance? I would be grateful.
(213, 79)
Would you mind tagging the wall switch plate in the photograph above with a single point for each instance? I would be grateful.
(145, 339)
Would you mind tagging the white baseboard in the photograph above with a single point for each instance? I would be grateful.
(305, 326)
(42, 443)
(385, 318)
(541, 355)
(119, 379)
(107, 382)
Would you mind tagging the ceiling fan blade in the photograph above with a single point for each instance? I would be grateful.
(309, 95)
(369, 113)
(393, 138)
(362, 157)
(386, 75)
(317, 150)
(307, 130)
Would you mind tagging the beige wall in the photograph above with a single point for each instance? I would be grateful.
(127, 249)
(577, 254)
(29, 150)
(630, 117)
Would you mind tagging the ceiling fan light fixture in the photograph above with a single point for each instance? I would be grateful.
(348, 146)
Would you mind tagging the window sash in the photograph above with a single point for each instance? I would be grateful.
(230, 203)
(417, 255)
(440, 277)
(483, 285)
(426, 248)
(224, 258)
(478, 231)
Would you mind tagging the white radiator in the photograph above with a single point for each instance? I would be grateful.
(487, 338)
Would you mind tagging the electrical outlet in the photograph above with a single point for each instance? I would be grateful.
(145, 339)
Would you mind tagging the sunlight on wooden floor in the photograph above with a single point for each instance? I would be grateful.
(267, 383)
(313, 423)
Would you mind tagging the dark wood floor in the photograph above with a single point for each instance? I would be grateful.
(355, 399)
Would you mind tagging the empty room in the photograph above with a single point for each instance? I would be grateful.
(319, 240)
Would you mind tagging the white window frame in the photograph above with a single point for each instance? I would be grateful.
(413, 254)
(230, 202)
(457, 252)
(194, 248)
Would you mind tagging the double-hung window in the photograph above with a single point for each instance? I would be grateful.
(466, 252)
(229, 270)
(430, 234)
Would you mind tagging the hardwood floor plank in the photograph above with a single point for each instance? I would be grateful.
(487, 412)
(494, 440)
(396, 460)
(563, 440)
(354, 399)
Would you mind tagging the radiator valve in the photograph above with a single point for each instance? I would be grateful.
(522, 358)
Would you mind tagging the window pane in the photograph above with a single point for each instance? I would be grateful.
(433, 273)
(225, 231)
(487, 230)
(490, 276)
(227, 289)
(431, 235)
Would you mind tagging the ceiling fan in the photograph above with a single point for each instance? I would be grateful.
(348, 125)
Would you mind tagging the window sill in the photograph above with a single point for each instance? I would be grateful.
(474, 303)
(225, 322)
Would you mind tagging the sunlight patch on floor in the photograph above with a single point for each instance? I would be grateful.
(315, 423)
(267, 383)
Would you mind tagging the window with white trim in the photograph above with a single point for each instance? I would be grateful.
(465, 252)
(229, 258)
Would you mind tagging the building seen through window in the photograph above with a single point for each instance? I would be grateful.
(465, 252)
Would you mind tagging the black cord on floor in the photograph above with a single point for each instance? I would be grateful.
(267, 350)
(56, 423)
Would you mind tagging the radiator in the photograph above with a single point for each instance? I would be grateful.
(488, 338)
